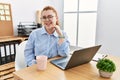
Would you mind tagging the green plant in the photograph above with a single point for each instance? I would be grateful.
(106, 65)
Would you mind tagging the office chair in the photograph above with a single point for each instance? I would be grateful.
(19, 58)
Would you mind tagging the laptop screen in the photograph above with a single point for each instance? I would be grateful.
(78, 57)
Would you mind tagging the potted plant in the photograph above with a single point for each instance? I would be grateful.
(106, 67)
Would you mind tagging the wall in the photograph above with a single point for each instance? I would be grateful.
(108, 26)
(25, 10)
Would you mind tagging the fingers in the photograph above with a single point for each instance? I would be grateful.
(52, 25)
(57, 28)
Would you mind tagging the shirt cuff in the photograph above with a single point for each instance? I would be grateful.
(33, 62)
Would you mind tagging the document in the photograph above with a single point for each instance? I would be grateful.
(99, 56)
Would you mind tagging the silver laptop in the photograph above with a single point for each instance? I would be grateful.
(78, 57)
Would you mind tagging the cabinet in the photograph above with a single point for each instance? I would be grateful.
(8, 48)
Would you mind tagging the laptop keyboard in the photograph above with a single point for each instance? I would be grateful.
(63, 64)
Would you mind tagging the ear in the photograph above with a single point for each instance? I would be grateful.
(56, 18)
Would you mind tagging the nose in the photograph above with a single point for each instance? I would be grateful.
(47, 19)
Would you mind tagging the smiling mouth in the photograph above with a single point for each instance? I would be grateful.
(48, 23)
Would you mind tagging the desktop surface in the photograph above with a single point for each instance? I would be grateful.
(83, 72)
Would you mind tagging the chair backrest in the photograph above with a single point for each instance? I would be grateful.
(19, 58)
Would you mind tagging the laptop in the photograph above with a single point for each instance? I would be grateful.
(78, 57)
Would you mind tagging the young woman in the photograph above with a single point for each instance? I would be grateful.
(49, 40)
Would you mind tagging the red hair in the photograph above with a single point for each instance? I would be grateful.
(51, 8)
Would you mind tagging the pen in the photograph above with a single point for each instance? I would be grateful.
(104, 56)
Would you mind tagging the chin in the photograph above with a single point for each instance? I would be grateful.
(47, 27)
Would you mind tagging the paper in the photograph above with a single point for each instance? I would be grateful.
(7, 12)
(6, 6)
(8, 18)
(99, 56)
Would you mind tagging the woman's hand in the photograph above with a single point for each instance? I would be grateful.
(58, 30)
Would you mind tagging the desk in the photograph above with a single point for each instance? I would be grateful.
(12, 38)
(83, 72)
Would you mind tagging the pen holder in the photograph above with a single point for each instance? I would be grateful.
(41, 62)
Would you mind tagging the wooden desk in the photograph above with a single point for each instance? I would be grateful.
(83, 72)
(12, 38)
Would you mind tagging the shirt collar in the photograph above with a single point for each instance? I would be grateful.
(45, 32)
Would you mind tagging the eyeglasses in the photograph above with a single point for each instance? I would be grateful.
(49, 17)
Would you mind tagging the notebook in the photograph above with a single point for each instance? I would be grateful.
(78, 57)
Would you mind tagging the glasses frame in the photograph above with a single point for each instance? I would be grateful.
(49, 17)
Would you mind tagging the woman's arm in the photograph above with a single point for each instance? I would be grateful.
(63, 45)
(29, 51)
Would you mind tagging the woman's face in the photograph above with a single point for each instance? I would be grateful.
(49, 19)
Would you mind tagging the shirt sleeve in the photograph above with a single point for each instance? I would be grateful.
(29, 50)
(63, 49)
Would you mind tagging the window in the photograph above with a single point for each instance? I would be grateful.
(80, 21)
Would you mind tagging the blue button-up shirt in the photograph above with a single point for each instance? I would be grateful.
(42, 43)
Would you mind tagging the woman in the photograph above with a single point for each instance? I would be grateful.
(49, 40)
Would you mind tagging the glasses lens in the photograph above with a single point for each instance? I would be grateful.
(50, 17)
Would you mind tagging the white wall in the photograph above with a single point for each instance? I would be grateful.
(25, 10)
(108, 26)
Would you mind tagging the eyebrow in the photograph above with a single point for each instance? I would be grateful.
(48, 15)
